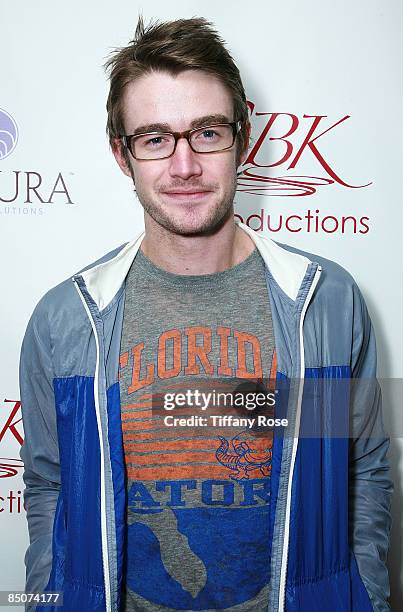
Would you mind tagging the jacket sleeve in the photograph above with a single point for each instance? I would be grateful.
(40, 452)
(370, 485)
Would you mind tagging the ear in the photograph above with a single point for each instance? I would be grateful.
(244, 153)
(117, 150)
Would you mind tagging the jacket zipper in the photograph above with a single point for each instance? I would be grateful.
(104, 537)
(284, 562)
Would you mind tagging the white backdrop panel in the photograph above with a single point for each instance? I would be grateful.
(332, 68)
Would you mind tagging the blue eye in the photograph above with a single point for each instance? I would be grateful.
(209, 134)
(155, 140)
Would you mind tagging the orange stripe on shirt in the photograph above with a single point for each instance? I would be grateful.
(185, 471)
(179, 457)
(165, 445)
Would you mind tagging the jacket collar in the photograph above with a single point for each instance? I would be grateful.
(288, 269)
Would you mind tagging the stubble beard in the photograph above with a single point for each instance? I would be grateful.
(188, 224)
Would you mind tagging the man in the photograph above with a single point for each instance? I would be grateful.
(128, 509)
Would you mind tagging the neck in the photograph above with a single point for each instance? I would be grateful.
(201, 254)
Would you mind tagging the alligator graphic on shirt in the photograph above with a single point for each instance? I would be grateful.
(248, 454)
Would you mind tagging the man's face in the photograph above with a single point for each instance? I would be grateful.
(209, 178)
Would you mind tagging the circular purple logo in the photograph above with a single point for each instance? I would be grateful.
(8, 134)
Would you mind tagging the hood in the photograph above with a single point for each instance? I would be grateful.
(105, 279)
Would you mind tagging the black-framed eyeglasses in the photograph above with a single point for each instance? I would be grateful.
(160, 145)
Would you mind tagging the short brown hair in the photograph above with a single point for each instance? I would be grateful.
(173, 46)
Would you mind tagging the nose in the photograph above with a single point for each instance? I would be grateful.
(184, 163)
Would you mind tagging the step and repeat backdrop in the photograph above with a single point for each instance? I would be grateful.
(325, 89)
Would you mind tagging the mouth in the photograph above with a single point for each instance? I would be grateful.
(186, 195)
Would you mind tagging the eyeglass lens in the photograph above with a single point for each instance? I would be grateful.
(205, 140)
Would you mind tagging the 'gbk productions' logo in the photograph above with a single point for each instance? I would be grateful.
(256, 176)
(287, 159)
(10, 430)
(8, 134)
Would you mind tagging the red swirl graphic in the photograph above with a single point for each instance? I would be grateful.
(258, 184)
(9, 467)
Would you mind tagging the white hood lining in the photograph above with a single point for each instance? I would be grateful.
(288, 269)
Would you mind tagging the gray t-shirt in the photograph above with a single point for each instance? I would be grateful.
(199, 507)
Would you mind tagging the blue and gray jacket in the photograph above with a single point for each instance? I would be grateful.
(331, 505)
